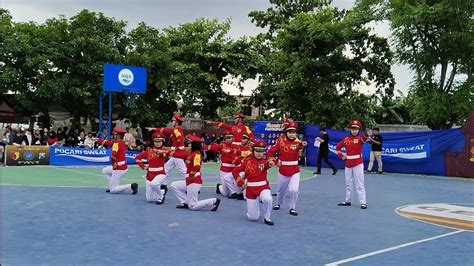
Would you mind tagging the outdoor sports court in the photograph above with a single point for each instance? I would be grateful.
(59, 215)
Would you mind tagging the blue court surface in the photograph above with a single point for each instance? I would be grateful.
(81, 224)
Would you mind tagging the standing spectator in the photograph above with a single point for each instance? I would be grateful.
(27, 138)
(323, 143)
(8, 135)
(129, 140)
(61, 136)
(72, 139)
(208, 141)
(52, 139)
(89, 142)
(376, 152)
(36, 138)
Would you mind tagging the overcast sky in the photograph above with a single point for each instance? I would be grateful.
(164, 13)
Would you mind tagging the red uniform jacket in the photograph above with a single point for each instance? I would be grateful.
(119, 149)
(353, 147)
(193, 165)
(255, 172)
(156, 162)
(177, 141)
(230, 155)
(237, 130)
(289, 151)
(245, 152)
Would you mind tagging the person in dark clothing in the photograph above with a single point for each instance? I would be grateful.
(376, 152)
(323, 143)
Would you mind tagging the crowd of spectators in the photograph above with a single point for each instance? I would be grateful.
(65, 137)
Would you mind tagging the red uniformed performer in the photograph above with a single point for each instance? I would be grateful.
(256, 184)
(155, 176)
(237, 129)
(354, 164)
(187, 191)
(289, 150)
(246, 146)
(177, 145)
(230, 158)
(114, 173)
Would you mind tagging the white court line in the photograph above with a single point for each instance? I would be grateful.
(391, 248)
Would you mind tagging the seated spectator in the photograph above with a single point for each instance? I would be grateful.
(45, 136)
(89, 142)
(27, 138)
(36, 138)
(81, 140)
(52, 140)
(129, 140)
(61, 136)
(18, 138)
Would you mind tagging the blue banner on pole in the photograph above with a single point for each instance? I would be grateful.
(121, 78)
(68, 156)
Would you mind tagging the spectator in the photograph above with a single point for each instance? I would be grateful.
(37, 137)
(220, 139)
(52, 139)
(81, 140)
(104, 134)
(18, 138)
(89, 142)
(45, 136)
(129, 140)
(72, 138)
(8, 135)
(376, 153)
(61, 136)
(27, 138)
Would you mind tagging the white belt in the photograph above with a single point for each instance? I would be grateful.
(121, 163)
(196, 174)
(236, 143)
(256, 184)
(155, 169)
(181, 147)
(228, 164)
(289, 162)
(352, 157)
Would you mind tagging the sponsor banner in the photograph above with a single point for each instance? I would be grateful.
(411, 152)
(79, 156)
(456, 216)
(402, 152)
(270, 131)
(27, 155)
(124, 78)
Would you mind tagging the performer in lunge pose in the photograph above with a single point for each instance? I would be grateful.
(354, 164)
(187, 190)
(155, 176)
(230, 158)
(114, 173)
(256, 184)
(289, 150)
(238, 129)
(177, 146)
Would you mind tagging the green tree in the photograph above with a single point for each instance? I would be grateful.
(315, 61)
(436, 39)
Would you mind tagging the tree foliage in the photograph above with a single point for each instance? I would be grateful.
(315, 58)
(436, 39)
